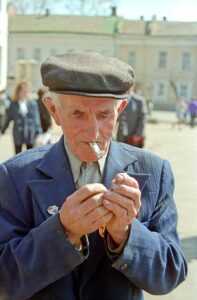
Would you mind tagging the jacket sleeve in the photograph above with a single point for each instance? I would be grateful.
(152, 258)
(7, 121)
(31, 258)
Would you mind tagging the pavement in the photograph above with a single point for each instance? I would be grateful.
(179, 146)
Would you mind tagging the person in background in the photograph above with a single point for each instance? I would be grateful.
(150, 106)
(45, 119)
(25, 115)
(181, 113)
(192, 109)
(132, 121)
(4, 104)
(88, 218)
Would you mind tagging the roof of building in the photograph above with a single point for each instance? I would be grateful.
(62, 24)
(169, 28)
(136, 27)
(98, 25)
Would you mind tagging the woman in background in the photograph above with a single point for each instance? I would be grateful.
(24, 113)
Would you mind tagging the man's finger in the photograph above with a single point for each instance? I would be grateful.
(95, 214)
(91, 203)
(102, 220)
(85, 192)
(120, 212)
(128, 192)
(120, 200)
(124, 178)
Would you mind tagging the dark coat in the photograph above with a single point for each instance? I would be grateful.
(25, 127)
(133, 116)
(39, 262)
(45, 117)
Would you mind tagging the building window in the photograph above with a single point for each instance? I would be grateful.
(186, 61)
(37, 54)
(184, 90)
(162, 63)
(160, 91)
(131, 58)
(20, 53)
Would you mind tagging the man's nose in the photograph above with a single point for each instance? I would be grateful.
(92, 129)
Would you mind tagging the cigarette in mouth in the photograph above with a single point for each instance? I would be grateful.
(96, 149)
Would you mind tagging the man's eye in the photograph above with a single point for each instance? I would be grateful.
(78, 114)
(103, 115)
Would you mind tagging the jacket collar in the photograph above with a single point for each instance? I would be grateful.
(57, 183)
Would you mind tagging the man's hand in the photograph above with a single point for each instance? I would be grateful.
(124, 201)
(83, 211)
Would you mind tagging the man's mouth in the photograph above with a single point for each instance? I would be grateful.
(95, 148)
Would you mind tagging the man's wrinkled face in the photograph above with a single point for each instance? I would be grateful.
(86, 119)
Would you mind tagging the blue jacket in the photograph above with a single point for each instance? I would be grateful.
(38, 262)
(25, 127)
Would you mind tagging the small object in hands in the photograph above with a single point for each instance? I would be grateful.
(94, 146)
(52, 210)
(102, 230)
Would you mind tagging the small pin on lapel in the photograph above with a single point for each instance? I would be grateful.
(52, 210)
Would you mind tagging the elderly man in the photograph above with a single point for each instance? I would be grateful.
(87, 218)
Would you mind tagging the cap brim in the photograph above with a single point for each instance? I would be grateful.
(98, 95)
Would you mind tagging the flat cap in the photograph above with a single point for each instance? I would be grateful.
(89, 74)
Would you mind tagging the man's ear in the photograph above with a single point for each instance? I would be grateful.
(52, 109)
(122, 105)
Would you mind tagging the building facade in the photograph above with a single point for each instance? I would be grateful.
(163, 54)
(3, 44)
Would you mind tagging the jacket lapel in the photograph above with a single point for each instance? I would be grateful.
(57, 183)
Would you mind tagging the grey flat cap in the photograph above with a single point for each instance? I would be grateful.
(87, 73)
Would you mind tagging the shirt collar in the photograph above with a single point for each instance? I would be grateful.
(75, 163)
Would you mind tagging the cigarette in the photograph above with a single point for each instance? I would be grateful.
(99, 153)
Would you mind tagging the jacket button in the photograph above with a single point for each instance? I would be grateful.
(123, 267)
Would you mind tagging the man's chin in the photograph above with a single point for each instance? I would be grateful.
(84, 152)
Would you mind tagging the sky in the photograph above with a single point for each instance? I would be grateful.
(174, 10)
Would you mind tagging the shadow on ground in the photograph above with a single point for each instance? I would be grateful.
(189, 246)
